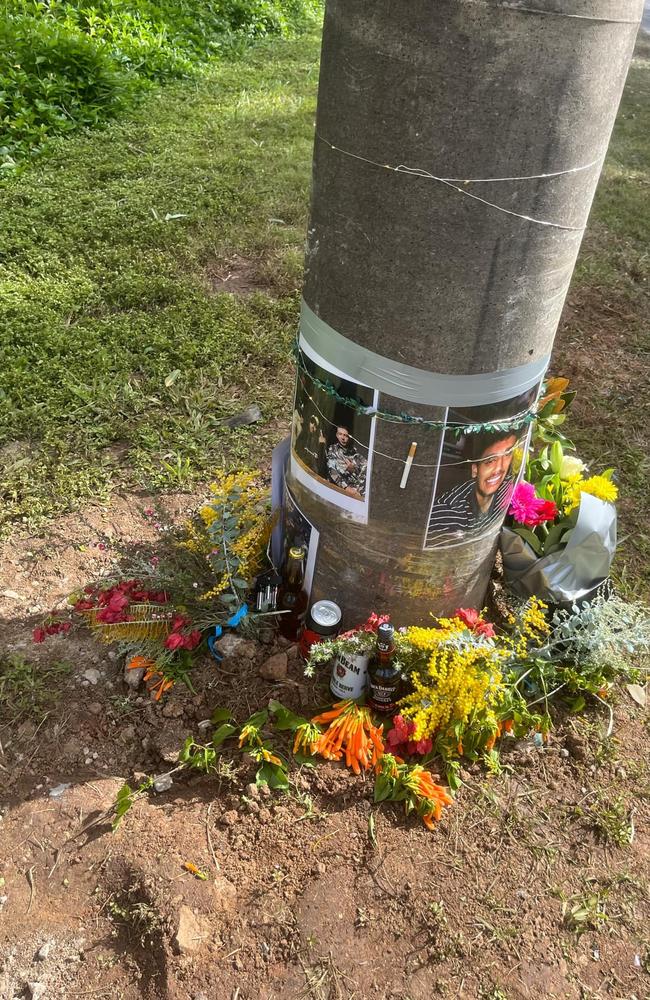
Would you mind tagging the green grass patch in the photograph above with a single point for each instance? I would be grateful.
(65, 64)
(119, 363)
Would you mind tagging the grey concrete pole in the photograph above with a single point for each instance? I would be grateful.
(458, 147)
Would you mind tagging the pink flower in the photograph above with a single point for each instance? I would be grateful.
(175, 641)
(38, 635)
(83, 605)
(529, 509)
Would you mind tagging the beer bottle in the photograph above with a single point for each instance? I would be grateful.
(292, 597)
(384, 673)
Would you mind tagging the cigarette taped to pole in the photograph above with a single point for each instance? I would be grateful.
(407, 465)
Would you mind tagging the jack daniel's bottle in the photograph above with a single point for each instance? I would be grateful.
(384, 674)
(292, 597)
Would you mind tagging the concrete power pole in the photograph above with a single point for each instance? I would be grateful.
(458, 147)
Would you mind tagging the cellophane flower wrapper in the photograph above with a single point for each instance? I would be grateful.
(574, 572)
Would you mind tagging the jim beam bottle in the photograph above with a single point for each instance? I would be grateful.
(384, 673)
(292, 596)
(349, 675)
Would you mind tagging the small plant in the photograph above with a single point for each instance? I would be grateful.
(612, 822)
(583, 913)
(28, 688)
(140, 917)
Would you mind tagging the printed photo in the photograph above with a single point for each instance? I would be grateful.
(331, 440)
(477, 469)
(298, 532)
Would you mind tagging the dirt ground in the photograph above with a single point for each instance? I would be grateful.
(311, 894)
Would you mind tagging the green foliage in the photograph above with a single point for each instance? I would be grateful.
(26, 687)
(64, 65)
(125, 799)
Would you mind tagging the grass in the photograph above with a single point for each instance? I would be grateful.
(120, 363)
(28, 688)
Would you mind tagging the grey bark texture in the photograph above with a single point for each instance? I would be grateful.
(458, 147)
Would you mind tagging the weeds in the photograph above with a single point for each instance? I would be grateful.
(612, 822)
(28, 688)
(581, 913)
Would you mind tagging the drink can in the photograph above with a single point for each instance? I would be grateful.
(349, 675)
(323, 621)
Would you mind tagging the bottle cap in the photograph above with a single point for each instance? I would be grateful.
(385, 632)
(296, 553)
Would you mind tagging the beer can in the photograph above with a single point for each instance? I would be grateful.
(349, 675)
(323, 622)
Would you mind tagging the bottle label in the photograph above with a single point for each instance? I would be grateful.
(383, 697)
(349, 675)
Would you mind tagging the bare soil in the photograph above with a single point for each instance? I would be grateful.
(314, 893)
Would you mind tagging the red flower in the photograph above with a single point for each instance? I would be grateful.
(38, 635)
(175, 641)
(474, 622)
(399, 738)
(178, 621)
(84, 605)
(192, 639)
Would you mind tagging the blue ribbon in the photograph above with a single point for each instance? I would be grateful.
(233, 622)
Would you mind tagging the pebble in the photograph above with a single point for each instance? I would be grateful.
(58, 790)
(43, 951)
(133, 678)
(264, 815)
(229, 818)
(36, 990)
(91, 675)
(275, 668)
(162, 783)
(172, 710)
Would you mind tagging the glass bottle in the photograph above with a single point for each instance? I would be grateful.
(292, 596)
(384, 673)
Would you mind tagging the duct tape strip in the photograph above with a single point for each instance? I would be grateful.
(415, 384)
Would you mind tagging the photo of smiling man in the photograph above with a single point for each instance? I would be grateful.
(478, 503)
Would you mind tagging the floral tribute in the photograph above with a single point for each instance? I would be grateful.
(544, 504)
(200, 575)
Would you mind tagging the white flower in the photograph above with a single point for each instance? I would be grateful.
(571, 466)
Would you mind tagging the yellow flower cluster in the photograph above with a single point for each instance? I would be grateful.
(238, 551)
(532, 626)
(460, 679)
(598, 486)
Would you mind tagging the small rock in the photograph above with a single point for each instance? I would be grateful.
(275, 668)
(229, 818)
(201, 996)
(248, 416)
(264, 815)
(162, 783)
(12, 595)
(43, 951)
(292, 652)
(252, 791)
(91, 675)
(576, 747)
(172, 710)
(3, 902)
(321, 867)
(36, 990)
(133, 678)
(225, 894)
(236, 647)
(58, 790)
(564, 752)
(95, 708)
(621, 773)
(192, 931)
